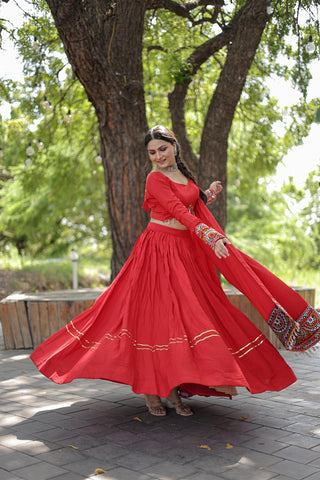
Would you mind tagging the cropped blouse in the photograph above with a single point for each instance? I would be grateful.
(167, 199)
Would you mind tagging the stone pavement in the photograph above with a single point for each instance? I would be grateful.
(66, 432)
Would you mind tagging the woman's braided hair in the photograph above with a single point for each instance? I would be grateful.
(162, 133)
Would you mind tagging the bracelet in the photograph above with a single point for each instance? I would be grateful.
(211, 195)
(208, 235)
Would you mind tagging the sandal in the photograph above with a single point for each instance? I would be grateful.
(174, 401)
(158, 410)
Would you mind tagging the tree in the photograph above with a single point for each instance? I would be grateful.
(106, 46)
(55, 198)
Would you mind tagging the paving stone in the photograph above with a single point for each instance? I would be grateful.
(306, 419)
(32, 447)
(10, 407)
(165, 470)
(5, 450)
(269, 433)
(30, 427)
(300, 427)
(257, 459)
(17, 460)
(10, 420)
(302, 440)
(88, 466)
(293, 470)
(72, 476)
(121, 437)
(315, 476)
(152, 447)
(63, 456)
(298, 454)
(121, 473)
(203, 476)
(280, 436)
(315, 463)
(244, 472)
(108, 451)
(5, 475)
(208, 462)
(137, 462)
(281, 477)
(43, 471)
(264, 445)
(82, 442)
(55, 435)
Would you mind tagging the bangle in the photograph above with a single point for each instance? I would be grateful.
(211, 195)
(209, 235)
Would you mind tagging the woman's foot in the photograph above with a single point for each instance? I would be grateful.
(174, 401)
(155, 406)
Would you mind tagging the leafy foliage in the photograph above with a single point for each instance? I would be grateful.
(59, 199)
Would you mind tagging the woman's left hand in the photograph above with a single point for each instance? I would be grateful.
(216, 186)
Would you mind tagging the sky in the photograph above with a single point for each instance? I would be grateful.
(297, 163)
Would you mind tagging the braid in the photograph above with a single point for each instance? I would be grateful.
(162, 133)
(186, 172)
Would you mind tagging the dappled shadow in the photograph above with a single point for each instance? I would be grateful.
(88, 424)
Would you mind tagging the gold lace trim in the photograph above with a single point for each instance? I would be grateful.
(89, 344)
(139, 346)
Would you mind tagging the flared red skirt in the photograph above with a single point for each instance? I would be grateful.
(165, 321)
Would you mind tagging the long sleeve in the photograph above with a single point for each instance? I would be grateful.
(159, 191)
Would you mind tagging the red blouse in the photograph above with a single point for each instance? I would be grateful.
(168, 199)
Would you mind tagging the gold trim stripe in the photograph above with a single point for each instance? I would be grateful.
(201, 337)
(141, 346)
(253, 344)
(79, 339)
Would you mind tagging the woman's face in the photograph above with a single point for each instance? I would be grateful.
(161, 153)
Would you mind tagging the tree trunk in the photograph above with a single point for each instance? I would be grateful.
(214, 141)
(104, 47)
(103, 41)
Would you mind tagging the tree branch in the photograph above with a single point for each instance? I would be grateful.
(241, 52)
(179, 9)
(178, 94)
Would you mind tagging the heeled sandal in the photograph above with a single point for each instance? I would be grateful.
(158, 410)
(180, 408)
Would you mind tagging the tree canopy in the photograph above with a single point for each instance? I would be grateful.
(200, 67)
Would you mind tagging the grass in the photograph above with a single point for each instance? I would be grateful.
(29, 275)
(94, 271)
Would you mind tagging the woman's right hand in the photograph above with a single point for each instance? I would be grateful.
(220, 248)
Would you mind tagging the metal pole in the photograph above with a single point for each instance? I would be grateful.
(74, 257)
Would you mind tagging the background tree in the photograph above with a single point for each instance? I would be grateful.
(53, 195)
(205, 54)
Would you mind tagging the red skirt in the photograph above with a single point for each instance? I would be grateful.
(164, 322)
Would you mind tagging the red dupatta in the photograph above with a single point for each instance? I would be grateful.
(292, 319)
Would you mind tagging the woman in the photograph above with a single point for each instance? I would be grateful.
(165, 325)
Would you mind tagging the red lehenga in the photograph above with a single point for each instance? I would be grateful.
(165, 321)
